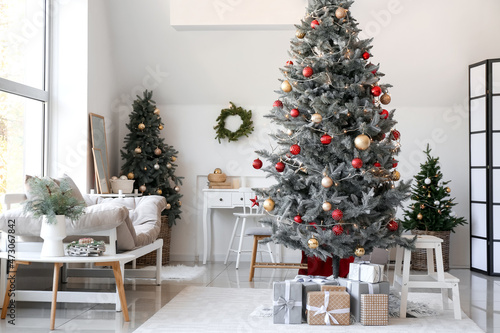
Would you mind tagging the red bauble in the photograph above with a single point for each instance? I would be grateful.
(384, 114)
(294, 113)
(289, 63)
(298, 219)
(393, 226)
(295, 149)
(314, 24)
(394, 164)
(382, 137)
(376, 91)
(313, 224)
(357, 163)
(377, 165)
(366, 55)
(307, 71)
(277, 104)
(395, 135)
(280, 166)
(257, 164)
(326, 139)
(337, 215)
(338, 230)
(374, 72)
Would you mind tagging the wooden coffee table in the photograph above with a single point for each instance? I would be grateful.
(26, 258)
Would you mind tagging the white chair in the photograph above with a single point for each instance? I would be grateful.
(250, 212)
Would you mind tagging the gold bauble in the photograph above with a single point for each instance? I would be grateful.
(327, 206)
(169, 166)
(130, 175)
(327, 182)
(169, 206)
(138, 150)
(157, 151)
(422, 206)
(141, 126)
(359, 252)
(289, 132)
(218, 171)
(269, 204)
(313, 243)
(156, 111)
(177, 189)
(180, 203)
(300, 34)
(420, 216)
(316, 118)
(160, 127)
(145, 168)
(340, 13)
(448, 190)
(173, 159)
(159, 191)
(142, 188)
(396, 175)
(385, 99)
(286, 87)
(362, 142)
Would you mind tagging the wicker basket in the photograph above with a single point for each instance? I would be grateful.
(165, 234)
(419, 256)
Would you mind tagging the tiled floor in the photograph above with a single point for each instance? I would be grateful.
(479, 295)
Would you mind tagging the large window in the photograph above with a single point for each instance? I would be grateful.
(23, 90)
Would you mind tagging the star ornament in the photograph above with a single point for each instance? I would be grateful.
(254, 202)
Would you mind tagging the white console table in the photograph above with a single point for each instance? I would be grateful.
(217, 199)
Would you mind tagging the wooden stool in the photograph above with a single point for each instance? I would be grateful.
(254, 265)
(440, 280)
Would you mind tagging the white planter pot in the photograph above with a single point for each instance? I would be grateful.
(53, 235)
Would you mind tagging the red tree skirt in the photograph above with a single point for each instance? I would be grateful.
(318, 267)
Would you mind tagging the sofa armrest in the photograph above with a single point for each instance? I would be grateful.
(9, 199)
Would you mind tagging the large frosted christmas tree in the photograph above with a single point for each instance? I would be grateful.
(337, 188)
(148, 159)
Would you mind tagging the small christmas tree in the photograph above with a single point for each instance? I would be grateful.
(432, 207)
(337, 188)
(148, 160)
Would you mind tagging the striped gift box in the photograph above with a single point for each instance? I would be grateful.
(375, 310)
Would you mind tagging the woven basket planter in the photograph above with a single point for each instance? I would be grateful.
(419, 256)
(165, 234)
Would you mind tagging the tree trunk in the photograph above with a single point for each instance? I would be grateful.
(335, 266)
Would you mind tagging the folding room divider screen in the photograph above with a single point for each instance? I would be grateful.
(484, 136)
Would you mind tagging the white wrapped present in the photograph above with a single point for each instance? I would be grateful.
(366, 272)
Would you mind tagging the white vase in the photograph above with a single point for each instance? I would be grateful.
(53, 235)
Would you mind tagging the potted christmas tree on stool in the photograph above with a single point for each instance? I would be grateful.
(431, 212)
(151, 163)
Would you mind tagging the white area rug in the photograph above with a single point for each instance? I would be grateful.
(198, 309)
(179, 272)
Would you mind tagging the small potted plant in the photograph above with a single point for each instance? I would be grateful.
(53, 203)
(431, 212)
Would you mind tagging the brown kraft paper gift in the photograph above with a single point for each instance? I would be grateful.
(328, 308)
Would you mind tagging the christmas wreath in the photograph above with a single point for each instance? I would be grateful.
(245, 129)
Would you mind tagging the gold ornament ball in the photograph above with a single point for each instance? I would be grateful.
(340, 13)
(385, 99)
(141, 126)
(156, 111)
(159, 191)
(327, 182)
(300, 34)
(218, 171)
(362, 142)
(180, 203)
(422, 206)
(327, 206)
(420, 216)
(269, 204)
(289, 132)
(142, 188)
(448, 190)
(160, 127)
(396, 175)
(313, 243)
(169, 166)
(286, 87)
(169, 206)
(177, 189)
(130, 175)
(173, 158)
(157, 151)
(359, 252)
(316, 118)
(138, 150)
(145, 168)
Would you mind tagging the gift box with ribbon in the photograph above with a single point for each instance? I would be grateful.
(374, 310)
(366, 272)
(358, 288)
(312, 283)
(328, 308)
(287, 302)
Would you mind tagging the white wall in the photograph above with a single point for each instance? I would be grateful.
(424, 48)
